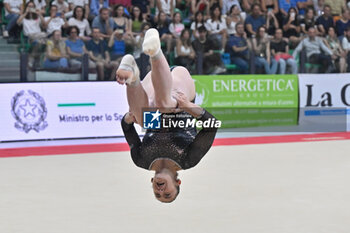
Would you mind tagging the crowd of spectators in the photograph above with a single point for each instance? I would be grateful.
(270, 35)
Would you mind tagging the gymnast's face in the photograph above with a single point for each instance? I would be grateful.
(165, 187)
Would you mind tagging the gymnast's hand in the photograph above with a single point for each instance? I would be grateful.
(129, 118)
(184, 104)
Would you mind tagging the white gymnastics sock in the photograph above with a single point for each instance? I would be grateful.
(128, 63)
(151, 43)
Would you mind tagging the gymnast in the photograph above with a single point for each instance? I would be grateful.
(165, 151)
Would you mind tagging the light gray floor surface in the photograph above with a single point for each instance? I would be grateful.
(269, 188)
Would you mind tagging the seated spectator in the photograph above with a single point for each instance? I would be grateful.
(271, 23)
(54, 21)
(56, 55)
(270, 6)
(308, 21)
(13, 9)
(254, 21)
(198, 22)
(163, 29)
(216, 27)
(117, 45)
(82, 23)
(203, 46)
(139, 40)
(122, 23)
(184, 53)
(237, 46)
(333, 44)
(248, 5)
(176, 26)
(285, 6)
(95, 6)
(313, 46)
(74, 3)
(337, 6)
(291, 27)
(98, 53)
(234, 16)
(39, 5)
(104, 23)
(280, 52)
(325, 21)
(261, 48)
(319, 7)
(200, 6)
(343, 23)
(136, 20)
(346, 47)
(227, 4)
(32, 20)
(62, 6)
(76, 48)
(166, 6)
(144, 6)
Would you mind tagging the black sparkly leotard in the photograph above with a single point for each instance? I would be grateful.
(182, 145)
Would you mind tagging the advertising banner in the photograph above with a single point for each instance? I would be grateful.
(325, 101)
(249, 100)
(32, 111)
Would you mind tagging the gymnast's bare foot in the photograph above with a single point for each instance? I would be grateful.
(128, 72)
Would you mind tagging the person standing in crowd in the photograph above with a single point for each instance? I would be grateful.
(176, 27)
(203, 46)
(76, 48)
(82, 23)
(56, 55)
(232, 19)
(343, 23)
(98, 53)
(261, 48)
(254, 21)
(291, 27)
(184, 53)
(216, 27)
(237, 46)
(333, 44)
(313, 46)
(13, 9)
(308, 21)
(74, 3)
(104, 23)
(62, 6)
(54, 21)
(325, 21)
(280, 52)
(346, 47)
(95, 6)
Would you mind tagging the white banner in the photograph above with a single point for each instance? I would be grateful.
(325, 99)
(31, 111)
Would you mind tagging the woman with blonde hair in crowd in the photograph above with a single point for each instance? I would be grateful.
(56, 55)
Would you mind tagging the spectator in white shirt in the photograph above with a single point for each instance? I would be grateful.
(216, 27)
(82, 23)
(55, 21)
(176, 26)
(75, 3)
(62, 6)
(13, 9)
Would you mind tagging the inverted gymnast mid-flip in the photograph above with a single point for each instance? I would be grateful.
(165, 151)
